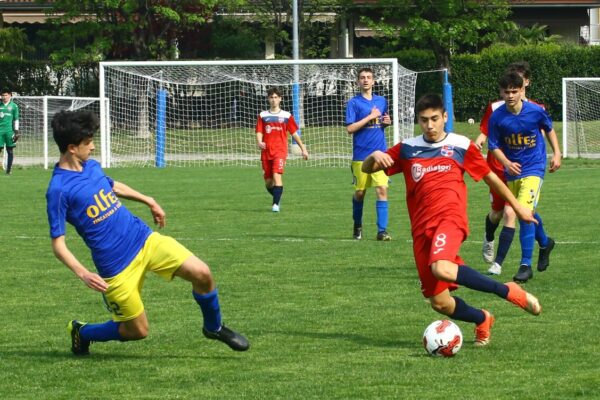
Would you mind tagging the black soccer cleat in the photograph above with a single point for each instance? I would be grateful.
(384, 236)
(523, 274)
(544, 255)
(232, 339)
(357, 232)
(79, 346)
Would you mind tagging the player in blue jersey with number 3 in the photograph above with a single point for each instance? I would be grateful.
(366, 118)
(517, 141)
(123, 247)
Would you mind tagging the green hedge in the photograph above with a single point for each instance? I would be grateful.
(474, 76)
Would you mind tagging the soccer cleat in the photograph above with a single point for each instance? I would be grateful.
(483, 330)
(495, 269)
(544, 255)
(357, 233)
(523, 274)
(384, 236)
(232, 339)
(523, 299)
(488, 250)
(275, 208)
(79, 346)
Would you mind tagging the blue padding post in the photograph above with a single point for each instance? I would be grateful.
(161, 124)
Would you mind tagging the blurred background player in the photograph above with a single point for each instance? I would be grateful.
(499, 208)
(366, 118)
(9, 127)
(123, 247)
(272, 127)
(433, 165)
(516, 139)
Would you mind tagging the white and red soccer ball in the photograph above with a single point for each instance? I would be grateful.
(442, 338)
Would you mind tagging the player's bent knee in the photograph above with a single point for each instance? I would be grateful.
(441, 306)
(133, 331)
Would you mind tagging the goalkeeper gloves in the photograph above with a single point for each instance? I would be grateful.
(16, 136)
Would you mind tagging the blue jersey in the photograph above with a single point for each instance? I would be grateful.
(372, 136)
(520, 137)
(86, 200)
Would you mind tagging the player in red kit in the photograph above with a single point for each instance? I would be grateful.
(272, 128)
(433, 165)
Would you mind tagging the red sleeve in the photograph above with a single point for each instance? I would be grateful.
(292, 127)
(483, 125)
(475, 164)
(394, 152)
(259, 125)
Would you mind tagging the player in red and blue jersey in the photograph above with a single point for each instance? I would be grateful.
(499, 208)
(272, 128)
(516, 139)
(123, 247)
(433, 165)
(366, 118)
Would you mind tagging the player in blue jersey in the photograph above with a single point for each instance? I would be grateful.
(366, 119)
(123, 247)
(517, 141)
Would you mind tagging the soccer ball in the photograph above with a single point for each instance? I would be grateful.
(471, 121)
(442, 338)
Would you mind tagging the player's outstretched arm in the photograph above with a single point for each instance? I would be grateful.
(91, 279)
(496, 184)
(302, 146)
(377, 161)
(124, 191)
(480, 141)
(556, 159)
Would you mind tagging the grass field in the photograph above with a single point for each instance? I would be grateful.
(328, 317)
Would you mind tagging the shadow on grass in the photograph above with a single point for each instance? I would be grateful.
(56, 355)
(354, 338)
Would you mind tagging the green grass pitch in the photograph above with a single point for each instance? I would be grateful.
(328, 317)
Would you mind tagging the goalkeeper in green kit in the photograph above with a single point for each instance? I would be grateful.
(9, 126)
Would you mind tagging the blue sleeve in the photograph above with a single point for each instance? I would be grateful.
(493, 134)
(350, 113)
(56, 207)
(546, 121)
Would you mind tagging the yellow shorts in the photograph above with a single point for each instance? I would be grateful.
(527, 190)
(160, 254)
(362, 181)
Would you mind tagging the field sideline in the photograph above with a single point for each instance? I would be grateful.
(328, 317)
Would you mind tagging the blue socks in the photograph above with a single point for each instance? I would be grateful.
(382, 215)
(270, 190)
(464, 312)
(211, 312)
(357, 211)
(527, 233)
(277, 192)
(540, 234)
(506, 238)
(472, 279)
(490, 228)
(104, 332)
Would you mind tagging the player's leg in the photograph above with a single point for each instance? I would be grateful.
(492, 220)
(380, 181)
(505, 240)
(267, 167)
(526, 190)
(545, 242)
(360, 181)
(277, 166)
(9, 158)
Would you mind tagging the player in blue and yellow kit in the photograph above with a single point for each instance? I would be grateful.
(517, 141)
(123, 247)
(366, 118)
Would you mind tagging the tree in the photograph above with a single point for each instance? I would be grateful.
(444, 27)
(126, 29)
(13, 42)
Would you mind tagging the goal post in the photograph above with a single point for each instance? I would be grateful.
(36, 145)
(581, 117)
(189, 113)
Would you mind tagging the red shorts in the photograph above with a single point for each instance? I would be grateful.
(274, 166)
(441, 243)
(496, 201)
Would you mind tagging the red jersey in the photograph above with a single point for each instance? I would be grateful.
(435, 185)
(274, 127)
(493, 162)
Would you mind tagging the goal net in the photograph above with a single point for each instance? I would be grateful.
(197, 113)
(36, 145)
(581, 117)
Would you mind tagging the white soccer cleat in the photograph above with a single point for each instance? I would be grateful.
(275, 208)
(488, 251)
(495, 269)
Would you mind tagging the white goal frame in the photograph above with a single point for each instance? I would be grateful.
(402, 125)
(576, 141)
